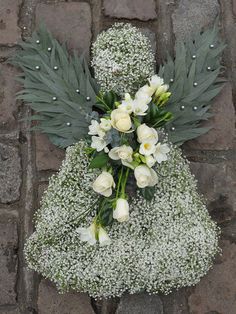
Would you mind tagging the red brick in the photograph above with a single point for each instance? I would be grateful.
(50, 301)
(9, 30)
(48, 156)
(216, 292)
(138, 9)
(69, 22)
(221, 136)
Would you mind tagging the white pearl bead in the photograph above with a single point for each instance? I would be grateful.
(54, 98)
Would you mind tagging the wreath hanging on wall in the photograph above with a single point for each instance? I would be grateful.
(123, 213)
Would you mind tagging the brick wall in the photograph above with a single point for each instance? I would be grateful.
(27, 160)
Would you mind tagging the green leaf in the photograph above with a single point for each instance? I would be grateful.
(99, 161)
(71, 84)
(193, 77)
(148, 192)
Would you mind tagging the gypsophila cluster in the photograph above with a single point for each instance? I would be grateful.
(167, 243)
(122, 59)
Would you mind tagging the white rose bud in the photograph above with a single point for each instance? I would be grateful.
(146, 134)
(121, 212)
(104, 184)
(145, 176)
(103, 237)
(120, 120)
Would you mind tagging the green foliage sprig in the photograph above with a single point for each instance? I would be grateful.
(58, 87)
(193, 76)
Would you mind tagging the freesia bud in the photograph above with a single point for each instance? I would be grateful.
(121, 212)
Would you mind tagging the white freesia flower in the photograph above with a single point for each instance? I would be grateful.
(161, 152)
(104, 184)
(148, 90)
(95, 129)
(121, 212)
(120, 120)
(105, 124)
(143, 97)
(150, 161)
(155, 82)
(103, 237)
(127, 104)
(146, 134)
(123, 152)
(161, 90)
(98, 143)
(88, 234)
(145, 176)
(147, 148)
(139, 107)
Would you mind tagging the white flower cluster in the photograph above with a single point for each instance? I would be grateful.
(122, 58)
(167, 243)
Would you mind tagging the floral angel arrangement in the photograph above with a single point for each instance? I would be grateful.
(123, 214)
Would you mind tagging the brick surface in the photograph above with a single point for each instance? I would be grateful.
(9, 30)
(222, 133)
(216, 292)
(8, 88)
(217, 183)
(140, 304)
(136, 9)
(10, 173)
(8, 259)
(192, 15)
(48, 156)
(69, 22)
(50, 301)
(234, 7)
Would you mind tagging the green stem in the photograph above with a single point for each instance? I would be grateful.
(124, 182)
(119, 182)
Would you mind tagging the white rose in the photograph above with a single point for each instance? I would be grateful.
(105, 124)
(88, 234)
(161, 152)
(104, 184)
(120, 120)
(146, 134)
(95, 129)
(103, 237)
(150, 161)
(147, 148)
(121, 212)
(123, 152)
(145, 176)
(98, 143)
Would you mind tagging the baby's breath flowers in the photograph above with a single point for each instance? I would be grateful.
(167, 243)
(122, 58)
